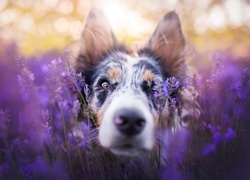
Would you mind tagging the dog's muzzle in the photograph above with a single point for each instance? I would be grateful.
(127, 126)
(129, 122)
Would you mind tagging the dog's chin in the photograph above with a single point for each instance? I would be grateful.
(127, 150)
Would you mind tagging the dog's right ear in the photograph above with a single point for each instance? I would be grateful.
(97, 39)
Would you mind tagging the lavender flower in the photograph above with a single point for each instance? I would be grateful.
(55, 80)
(208, 149)
(203, 127)
(217, 137)
(217, 71)
(4, 170)
(76, 108)
(45, 116)
(21, 146)
(183, 76)
(230, 134)
(67, 53)
(172, 105)
(86, 92)
(72, 74)
(80, 80)
(171, 85)
(21, 61)
(46, 124)
(195, 81)
(26, 170)
(5, 119)
(245, 78)
(156, 94)
(26, 79)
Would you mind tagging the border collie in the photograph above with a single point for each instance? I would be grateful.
(126, 86)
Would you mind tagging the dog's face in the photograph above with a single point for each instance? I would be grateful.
(123, 99)
(123, 86)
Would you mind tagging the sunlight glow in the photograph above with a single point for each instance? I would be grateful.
(51, 4)
(216, 18)
(26, 22)
(61, 25)
(8, 16)
(200, 24)
(75, 29)
(203, 4)
(115, 14)
(234, 10)
(123, 19)
(132, 21)
(65, 7)
(3, 4)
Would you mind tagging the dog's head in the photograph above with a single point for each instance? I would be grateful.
(123, 83)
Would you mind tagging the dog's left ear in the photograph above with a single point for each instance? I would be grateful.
(167, 43)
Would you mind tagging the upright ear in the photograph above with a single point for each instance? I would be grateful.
(167, 43)
(97, 38)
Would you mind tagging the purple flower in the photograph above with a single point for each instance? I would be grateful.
(76, 108)
(5, 119)
(45, 115)
(196, 81)
(26, 170)
(46, 124)
(170, 86)
(156, 94)
(86, 92)
(172, 105)
(230, 134)
(208, 149)
(4, 169)
(245, 78)
(217, 71)
(21, 61)
(21, 146)
(217, 137)
(80, 81)
(45, 170)
(67, 53)
(72, 73)
(203, 126)
(183, 76)
(26, 83)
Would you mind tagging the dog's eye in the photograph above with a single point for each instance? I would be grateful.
(154, 87)
(105, 85)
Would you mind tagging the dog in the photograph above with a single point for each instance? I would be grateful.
(123, 83)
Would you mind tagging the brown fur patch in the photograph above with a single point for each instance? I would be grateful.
(99, 117)
(114, 74)
(148, 75)
(100, 113)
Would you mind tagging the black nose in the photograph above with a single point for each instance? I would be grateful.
(129, 122)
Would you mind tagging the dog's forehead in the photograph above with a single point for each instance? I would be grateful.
(117, 65)
(123, 60)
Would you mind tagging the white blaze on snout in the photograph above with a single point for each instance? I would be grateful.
(109, 135)
(126, 98)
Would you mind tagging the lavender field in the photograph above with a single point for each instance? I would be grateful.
(47, 130)
(42, 136)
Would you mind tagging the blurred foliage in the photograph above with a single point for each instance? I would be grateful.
(209, 25)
